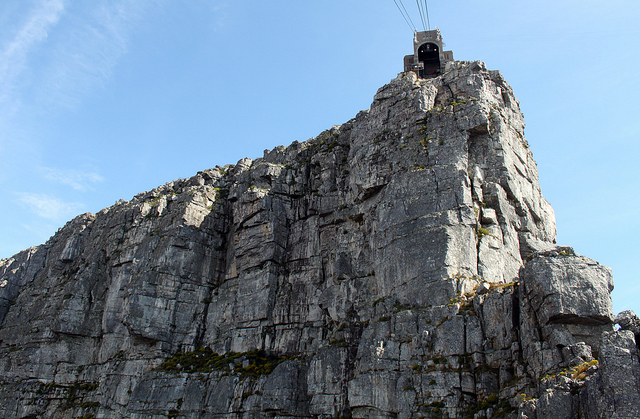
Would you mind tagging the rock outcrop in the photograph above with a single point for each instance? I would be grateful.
(400, 265)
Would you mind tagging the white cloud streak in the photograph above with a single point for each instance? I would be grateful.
(34, 30)
(49, 207)
(85, 56)
(53, 54)
(77, 179)
(76, 46)
(13, 55)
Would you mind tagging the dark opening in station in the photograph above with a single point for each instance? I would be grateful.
(429, 56)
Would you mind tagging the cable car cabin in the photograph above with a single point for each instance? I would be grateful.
(428, 58)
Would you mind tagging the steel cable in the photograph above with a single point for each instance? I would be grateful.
(424, 24)
(405, 15)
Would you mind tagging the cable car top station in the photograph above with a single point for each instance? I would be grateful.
(428, 56)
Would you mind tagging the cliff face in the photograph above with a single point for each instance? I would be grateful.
(400, 265)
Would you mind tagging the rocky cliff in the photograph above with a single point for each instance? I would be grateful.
(400, 265)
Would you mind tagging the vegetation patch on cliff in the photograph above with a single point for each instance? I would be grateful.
(204, 360)
(578, 372)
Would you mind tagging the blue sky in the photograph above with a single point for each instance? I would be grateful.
(103, 99)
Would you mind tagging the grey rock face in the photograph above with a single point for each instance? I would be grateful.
(615, 393)
(565, 297)
(629, 321)
(568, 289)
(400, 265)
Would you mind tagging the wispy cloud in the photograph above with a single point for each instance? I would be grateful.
(34, 30)
(79, 180)
(49, 207)
(53, 54)
(63, 50)
(85, 56)
(219, 15)
(17, 46)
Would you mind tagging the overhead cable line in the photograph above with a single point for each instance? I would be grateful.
(407, 13)
(404, 14)
(423, 9)
(424, 24)
(426, 8)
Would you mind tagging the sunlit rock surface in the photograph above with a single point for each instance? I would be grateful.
(400, 265)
